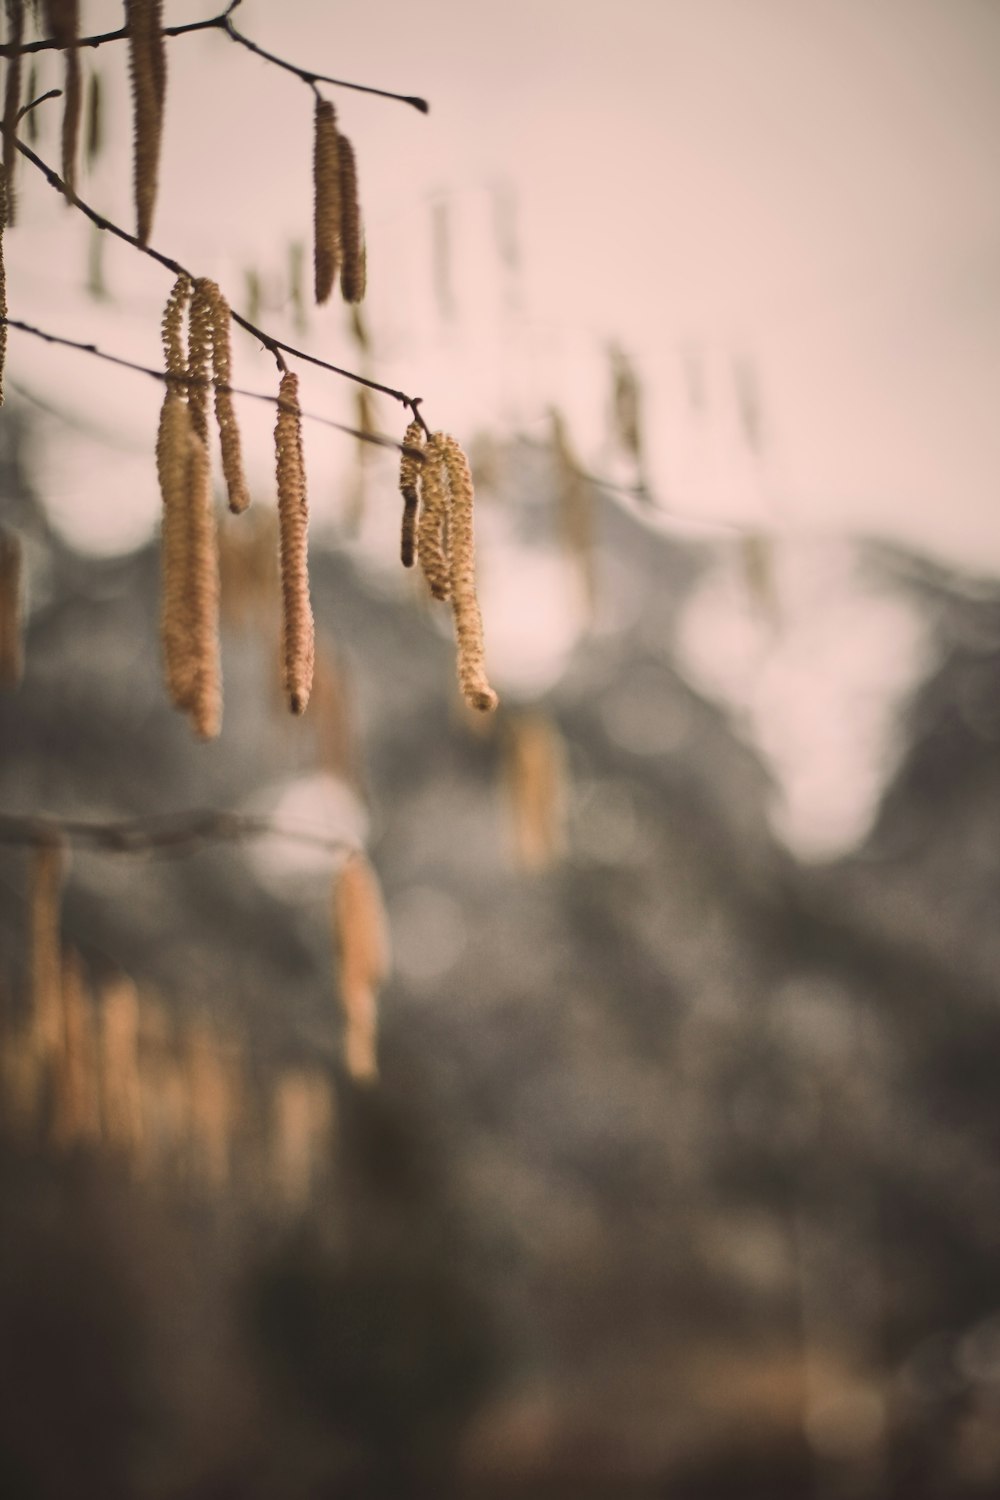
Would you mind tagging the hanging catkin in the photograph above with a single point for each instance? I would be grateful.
(12, 99)
(171, 466)
(361, 941)
(432, 532)
(203, 592)
(11, 649)
(534, 777)
(462, 557)
(409, 474)
(94, 142)
(225, 413)
(352, 249)
(326, 200)
(172, 445)
(170, 330)
(201, 326)
(148, 68)
(297, 638)
(118, 1053)
(63, 20)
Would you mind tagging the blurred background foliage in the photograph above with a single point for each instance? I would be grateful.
(680, 1175)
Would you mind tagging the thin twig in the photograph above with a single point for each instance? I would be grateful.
(221, 22)
(174, 833)
(276, 347)
(376, 438)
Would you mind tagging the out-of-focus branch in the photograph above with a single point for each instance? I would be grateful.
(173, 834)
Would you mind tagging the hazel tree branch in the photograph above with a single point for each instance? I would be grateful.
(172, 834)
(277, 347)
(222, 22)
(378, 439)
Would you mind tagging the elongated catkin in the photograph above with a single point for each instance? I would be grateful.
(432, 530)
(409, 476)
(203, 592)
(148, 68)
(353, 262)
(172, 446)
(298, 648)
(462, 560)
(225, 412)
(170, 330)
(63, 20)
(326, 200)
(94, 142)
(201, 328)
(12, 99)
(361, 940)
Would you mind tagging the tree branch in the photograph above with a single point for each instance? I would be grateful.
(172, 834)
(376, 438)
(221, 22)
(276, 346)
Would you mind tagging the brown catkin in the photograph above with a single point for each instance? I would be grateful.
(225, 412)
(462, 556)
(11, 647)
(432, 531)
(95, 122)
(12, 99)
(625, 404)
(534, 776)
(63, 20)
(409, 476)
(172, 445)
(361, 940)
(298, 646)
(201, 328)
(326, 200)
(118, 1062)
(352, 269)
(203, 592)
(148, 68)
(170, 328)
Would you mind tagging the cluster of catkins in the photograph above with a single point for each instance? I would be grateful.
(190, 559)
(437, 530)
(338, 239)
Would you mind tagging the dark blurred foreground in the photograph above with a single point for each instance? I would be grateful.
(681, 1176)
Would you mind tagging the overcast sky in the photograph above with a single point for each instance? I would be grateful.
(807, 184)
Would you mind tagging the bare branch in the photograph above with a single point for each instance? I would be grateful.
(378, 439)
(173, 834)
(221, 22)
(275, 346)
